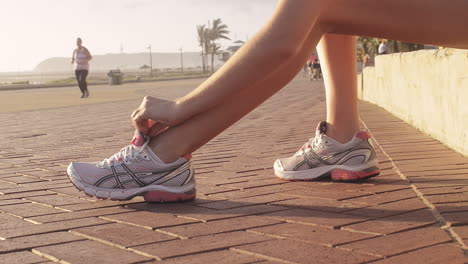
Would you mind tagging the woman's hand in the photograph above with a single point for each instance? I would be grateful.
(155, 115)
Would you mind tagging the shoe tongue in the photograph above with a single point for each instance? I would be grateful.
(321, 128)
(138, 139)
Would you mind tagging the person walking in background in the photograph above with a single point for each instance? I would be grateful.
(305, 69)
(157, 164)
(383, 47)
(316, 69)
(81, 57)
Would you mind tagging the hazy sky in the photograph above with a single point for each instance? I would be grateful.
(33, 30)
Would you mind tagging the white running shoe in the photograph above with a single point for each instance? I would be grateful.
(323, 156)
(135, 171)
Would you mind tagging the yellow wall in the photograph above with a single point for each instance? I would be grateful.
(427, 88)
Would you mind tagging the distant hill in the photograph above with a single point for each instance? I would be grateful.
(126, 61)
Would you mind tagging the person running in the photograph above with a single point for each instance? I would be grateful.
(81, 57)
(157, 164)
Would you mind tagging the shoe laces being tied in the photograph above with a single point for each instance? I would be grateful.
(313, 143)
(126, 155)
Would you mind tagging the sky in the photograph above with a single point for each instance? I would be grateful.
(34, 30)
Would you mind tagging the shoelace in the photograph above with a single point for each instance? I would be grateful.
(311, 143)
(124, 155)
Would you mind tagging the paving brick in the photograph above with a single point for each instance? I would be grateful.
(29, 209)
(324, 193)
(400, 242)
(301, 252)
(218, 257)
(80, 214)
(200, 244)
(72, 191)
(220, 226)
(99, 204)
(330, 220)
(89, 252)
(311, 234)
(23, 257)
(385, 197)
(50, 227)
(254, 184)
(327, 205)
(20, 195)
(237, 194)
(395, 223)
(452, 207)
(443, 253)
(456, 218)
(17, 179)
(248, 201)
(10, 222)
(56, 200)
(6, 185)
(28, 242)
(389, 209)
(462, 231)
(11, 201)
(206, 214)
(448, 198)
(444, 190)
(150, 220)
(123, 235)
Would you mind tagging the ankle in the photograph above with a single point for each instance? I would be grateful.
(341, 134)
(164, 151)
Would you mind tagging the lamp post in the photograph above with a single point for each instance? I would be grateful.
(151, 60)
(181, 60)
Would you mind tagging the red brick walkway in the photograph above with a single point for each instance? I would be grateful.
(415, 212)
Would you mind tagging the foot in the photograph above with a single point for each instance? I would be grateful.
(82, 96)
(86, 94)
(135, 171)
(323, 156)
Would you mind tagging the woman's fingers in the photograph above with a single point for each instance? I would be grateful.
(153, 115)
(140, 121)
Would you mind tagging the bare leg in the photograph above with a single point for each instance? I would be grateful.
(175, 142)
(415, 21)
(337, 55)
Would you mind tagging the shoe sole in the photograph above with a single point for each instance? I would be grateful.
(338, 173)
(151, 193)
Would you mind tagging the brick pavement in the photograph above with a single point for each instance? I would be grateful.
(415, 212)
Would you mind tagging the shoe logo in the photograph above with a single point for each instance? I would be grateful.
(361, 155)
(128, 176)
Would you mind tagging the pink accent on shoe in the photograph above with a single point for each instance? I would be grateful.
(138, 139)
(187, 156)
(363, 135)
(344, 175)
(158, 196)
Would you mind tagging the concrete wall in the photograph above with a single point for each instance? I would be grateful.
(427, 88)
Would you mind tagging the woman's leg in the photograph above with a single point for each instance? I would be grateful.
(84, 75)
(436, 22)
(198, 130)
(78, 79)
(415, 21)
(337, 55)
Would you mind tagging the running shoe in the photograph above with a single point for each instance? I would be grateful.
(323, 157)
(135, 171)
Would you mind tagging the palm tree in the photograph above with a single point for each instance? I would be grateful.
(217, 30)
(214, 48)
(202, 38)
